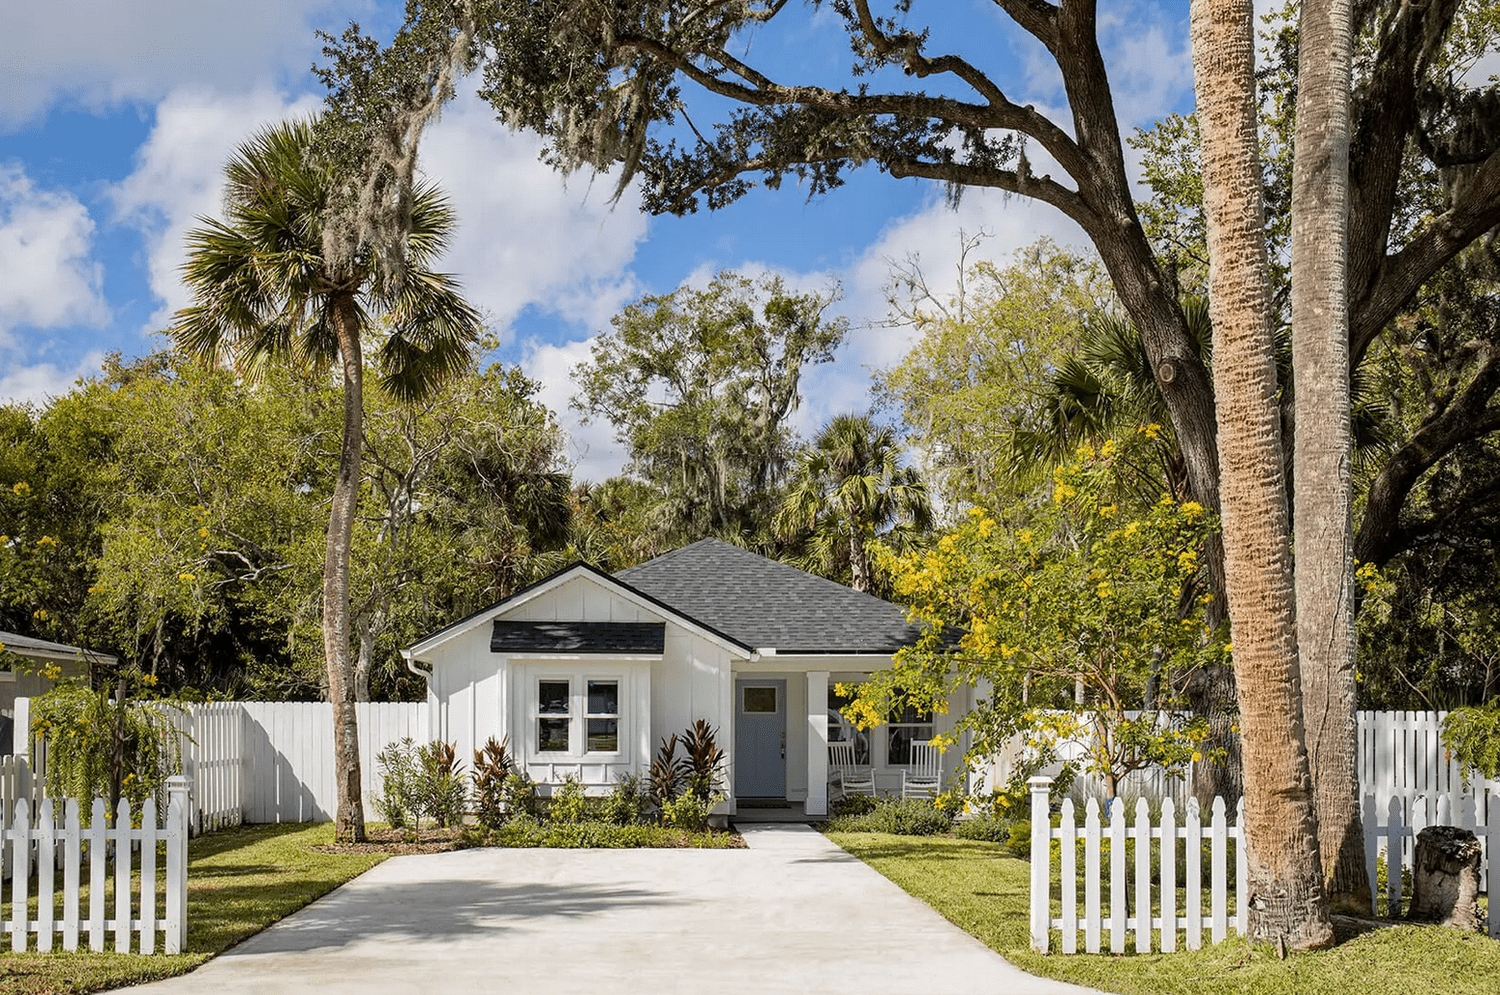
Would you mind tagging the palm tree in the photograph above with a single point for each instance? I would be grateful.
(263, 292)
(1286, 898)
(1325, 441)
(848, 488)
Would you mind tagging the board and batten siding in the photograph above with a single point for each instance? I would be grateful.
(476, 694)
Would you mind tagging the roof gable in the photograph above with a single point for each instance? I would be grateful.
(558, 579)
(766, 604)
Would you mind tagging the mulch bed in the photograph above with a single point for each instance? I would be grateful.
(400, 843)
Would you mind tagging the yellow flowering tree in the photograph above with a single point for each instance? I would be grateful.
(1074, 619)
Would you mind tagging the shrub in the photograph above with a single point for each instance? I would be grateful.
(1019, 842)
(665, 776)
(899, 816)
(568, 802)
(702, 767)
(399, 801)
(853, 805)
(519, 795)
(626, 804)
(442, 792)
(688, 811)
(595, 834)
(989, 828)
(492, 765)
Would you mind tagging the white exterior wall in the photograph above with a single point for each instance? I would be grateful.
(475, 693)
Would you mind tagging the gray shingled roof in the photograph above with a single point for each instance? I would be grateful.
(765, 604)
(578, 637)
(25, 645)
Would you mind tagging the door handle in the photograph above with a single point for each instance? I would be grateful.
(783, 744)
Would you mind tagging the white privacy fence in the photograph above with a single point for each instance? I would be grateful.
(1131, 870)
(259, 761)
(42, 849)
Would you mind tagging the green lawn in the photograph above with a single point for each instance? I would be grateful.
(983, 891)
(239, 882)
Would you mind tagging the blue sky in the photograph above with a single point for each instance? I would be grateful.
(117, 115)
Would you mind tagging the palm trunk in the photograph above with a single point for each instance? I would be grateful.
(1321, 457)
(859, 563)
(1286, 900)
(349, 824)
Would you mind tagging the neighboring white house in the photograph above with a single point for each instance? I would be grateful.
(588, 672)
(27, 682)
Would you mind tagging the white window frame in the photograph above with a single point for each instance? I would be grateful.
(577, 679)
(891, 726)
(618, 680)
(537, 715)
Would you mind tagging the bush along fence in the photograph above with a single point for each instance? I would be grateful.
(40, 851)
(1123, 853)
(1137, 865)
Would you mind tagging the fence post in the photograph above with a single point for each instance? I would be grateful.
(1041, 861)
(177, 833)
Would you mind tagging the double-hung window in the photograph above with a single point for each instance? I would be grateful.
(603, 717)
(841, 730)
(907, 726)
(576, 714)
(554, 718)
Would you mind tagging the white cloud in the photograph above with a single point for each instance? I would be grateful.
(525, 237)
(101, 54)
(596, 454)
(179, 175)
(50, 277)
(38, 383)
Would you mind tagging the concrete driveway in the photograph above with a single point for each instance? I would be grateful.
(793, 913)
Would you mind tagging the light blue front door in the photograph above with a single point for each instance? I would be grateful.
(760, 739)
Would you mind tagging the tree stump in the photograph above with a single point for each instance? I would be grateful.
(1445, 878)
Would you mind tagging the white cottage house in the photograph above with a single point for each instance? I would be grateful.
(587, 672)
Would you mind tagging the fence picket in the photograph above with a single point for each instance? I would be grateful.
(1142, 877)
(1372, 849)
(1091, 910)
(1217, 836)
(46, 864)
(72, 857)
(148, 877)
(97, 823)
(1395, 840)
(1068, 861)
(121, 836)
(1193, 855)
(1168, 876)
(20, 876)
(1116, 876)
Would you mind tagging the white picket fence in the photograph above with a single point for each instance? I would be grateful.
(141, 913)
(1146, 915)
(1141, 916)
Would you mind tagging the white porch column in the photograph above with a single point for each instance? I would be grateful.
(817, 743)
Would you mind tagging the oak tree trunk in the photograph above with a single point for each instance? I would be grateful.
(1323, 449)
(349, 823)
(1286, 900)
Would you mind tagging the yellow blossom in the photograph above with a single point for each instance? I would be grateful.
(46, 541)
(1108, 449)
(1150, 431)
(1192, 510)
(21, 489)
(186, 576)
(1063, 491)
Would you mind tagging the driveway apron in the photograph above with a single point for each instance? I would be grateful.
(793, 913)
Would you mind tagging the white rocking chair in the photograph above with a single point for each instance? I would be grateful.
(924, 778)
(845, 777)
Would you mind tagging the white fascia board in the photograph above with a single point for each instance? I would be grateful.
(869, 662)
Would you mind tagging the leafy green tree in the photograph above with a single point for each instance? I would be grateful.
(265, 290)
(700, 384)
(1063, 614)
(849, 490)
(972, 375)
